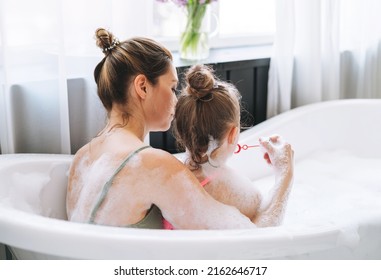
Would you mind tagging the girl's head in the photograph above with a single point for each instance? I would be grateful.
(125, 61)
(207, 111)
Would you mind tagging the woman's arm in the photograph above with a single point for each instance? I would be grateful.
(281, 156)
(182, 200)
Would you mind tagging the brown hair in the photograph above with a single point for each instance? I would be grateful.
(206, 109)
(123, 61)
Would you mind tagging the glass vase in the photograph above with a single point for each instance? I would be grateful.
(194, 41)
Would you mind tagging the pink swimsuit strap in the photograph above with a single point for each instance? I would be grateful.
(205, 181)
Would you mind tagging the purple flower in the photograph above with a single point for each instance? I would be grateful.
(180, 3)
(184, 3)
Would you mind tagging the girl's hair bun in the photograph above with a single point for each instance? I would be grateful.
(200, 80)
(105, 40)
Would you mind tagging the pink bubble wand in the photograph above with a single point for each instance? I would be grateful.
(244, 147)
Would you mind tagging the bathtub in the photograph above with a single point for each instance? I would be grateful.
(331, 214)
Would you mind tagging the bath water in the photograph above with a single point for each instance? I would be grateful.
(335, 187)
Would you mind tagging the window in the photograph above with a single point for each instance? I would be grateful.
(240, 22)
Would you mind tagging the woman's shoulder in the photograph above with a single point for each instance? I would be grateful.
(157, 157)
(80, 157)
(81, 154)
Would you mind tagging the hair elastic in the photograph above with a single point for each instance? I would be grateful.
(115, 42)
(207, 97)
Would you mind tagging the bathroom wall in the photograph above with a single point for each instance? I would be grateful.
(36, 118)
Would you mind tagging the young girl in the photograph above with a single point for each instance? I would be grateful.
(207, 124)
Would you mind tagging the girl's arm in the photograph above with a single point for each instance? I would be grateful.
(281, 156)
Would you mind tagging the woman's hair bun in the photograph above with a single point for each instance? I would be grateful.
(200, 80)
(105, 39)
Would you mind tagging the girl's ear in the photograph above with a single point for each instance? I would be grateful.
(140, 84)
(233, 134)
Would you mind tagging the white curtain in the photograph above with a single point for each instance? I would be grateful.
(324, 50)
(48, 101)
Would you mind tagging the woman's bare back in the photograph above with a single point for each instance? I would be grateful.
(93, 166)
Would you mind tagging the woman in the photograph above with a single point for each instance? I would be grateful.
(207, 124)
(117, 179)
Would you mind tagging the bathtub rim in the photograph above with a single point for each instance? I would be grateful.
(313, 107)
(49, 236)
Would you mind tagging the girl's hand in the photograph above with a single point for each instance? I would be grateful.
(277, 152)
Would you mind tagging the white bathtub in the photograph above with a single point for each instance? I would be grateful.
(32, 199)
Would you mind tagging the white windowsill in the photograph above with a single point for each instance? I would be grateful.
(231, 54)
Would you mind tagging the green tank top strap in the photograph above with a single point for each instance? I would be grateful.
(108, 184)
(153, 219)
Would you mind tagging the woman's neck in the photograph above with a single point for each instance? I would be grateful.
(120, 121)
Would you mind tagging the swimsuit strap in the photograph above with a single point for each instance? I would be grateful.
(152, 220)
(209, 179)
(108, 184)
(205, 181)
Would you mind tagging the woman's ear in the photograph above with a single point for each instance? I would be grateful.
(233, 134)
(140, 84)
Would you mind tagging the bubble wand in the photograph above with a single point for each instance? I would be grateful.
(244, 147)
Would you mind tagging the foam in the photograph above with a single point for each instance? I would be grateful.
(91, 183)
(335, 187)
(213, 144)
(35, 181)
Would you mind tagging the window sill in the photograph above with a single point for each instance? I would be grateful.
(232, 54)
